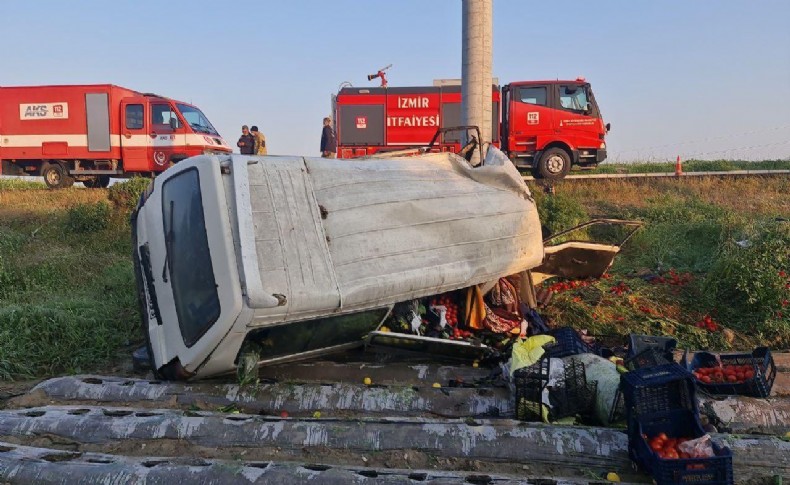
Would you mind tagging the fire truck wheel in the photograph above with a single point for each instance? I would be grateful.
(554, 164)
(97, 182)
(56, 176)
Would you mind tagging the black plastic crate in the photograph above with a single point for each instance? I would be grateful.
(617, 413)
(576, 396)
(530, 383)
(641, 343)
(716, 470)
(659, 389)
(568, 343)
(760, 360)
(650, 357)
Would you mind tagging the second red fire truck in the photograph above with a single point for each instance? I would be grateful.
(546, 126)
(89, 133)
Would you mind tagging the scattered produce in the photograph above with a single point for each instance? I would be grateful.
(613, 477)
(708, 323)
(367, 381)
(619, 289)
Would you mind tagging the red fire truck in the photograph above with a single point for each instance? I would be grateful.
(543, 125)
(89, 133)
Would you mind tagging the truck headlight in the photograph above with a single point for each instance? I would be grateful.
(603, 146)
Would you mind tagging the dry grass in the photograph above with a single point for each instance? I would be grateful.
(768, 195)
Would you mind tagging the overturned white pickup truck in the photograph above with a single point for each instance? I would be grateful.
(310, 254)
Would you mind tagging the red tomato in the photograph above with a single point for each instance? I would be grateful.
(671, 455)
(740, 376)
(705, 379)
(731, 378)
(749, 375)
(656, 445)
(662, 436)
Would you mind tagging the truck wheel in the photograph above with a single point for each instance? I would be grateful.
(554, 164)
(97, 182)
(56, 176)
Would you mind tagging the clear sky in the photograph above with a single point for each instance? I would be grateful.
(704, 78)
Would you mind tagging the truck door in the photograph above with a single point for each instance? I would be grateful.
(134, 135)
(529, 116)
(167, 136)
(576, 117)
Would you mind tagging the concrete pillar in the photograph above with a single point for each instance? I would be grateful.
(476, 60)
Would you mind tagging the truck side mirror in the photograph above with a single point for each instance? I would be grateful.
(608, 127)
(173, 122)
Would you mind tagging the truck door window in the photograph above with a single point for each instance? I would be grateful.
(188, 262)
(134, 116)
(161, 114)
(532, 95)
(573, 98)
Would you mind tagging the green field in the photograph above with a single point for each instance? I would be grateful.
(690, 166)
(67, 292)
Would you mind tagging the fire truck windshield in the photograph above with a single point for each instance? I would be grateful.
(196, 119)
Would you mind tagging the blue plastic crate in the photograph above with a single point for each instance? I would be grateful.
(659, 389)
(716, 470)
(568, 342)
(760, 385)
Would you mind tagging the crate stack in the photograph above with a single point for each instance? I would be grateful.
(662, 399)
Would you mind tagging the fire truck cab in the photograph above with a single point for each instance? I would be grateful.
(550, 125)
(89, 133)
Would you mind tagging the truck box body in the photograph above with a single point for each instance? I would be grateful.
(544, 125)
(372, 120)
(91, 130)
(308, 255)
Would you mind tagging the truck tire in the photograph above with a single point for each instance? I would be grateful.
(97, 182)
(56, 176)
(554, 164)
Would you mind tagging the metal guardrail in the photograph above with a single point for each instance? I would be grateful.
(670, 174)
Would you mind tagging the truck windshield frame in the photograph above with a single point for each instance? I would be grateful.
(192, 281)
(196, 119)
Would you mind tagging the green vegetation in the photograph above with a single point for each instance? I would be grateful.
(125, 196)
(67, 291)
(710, 247)
(691, 166)
(21, 184)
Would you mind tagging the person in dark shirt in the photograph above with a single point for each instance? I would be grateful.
(246, 142)
(328, 141)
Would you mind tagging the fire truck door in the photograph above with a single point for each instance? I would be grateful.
(134, 135)
(530, 117)
(167, 137)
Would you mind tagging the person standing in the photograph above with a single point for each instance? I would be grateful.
(246, 142)
(260, 141)
(328, 141)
